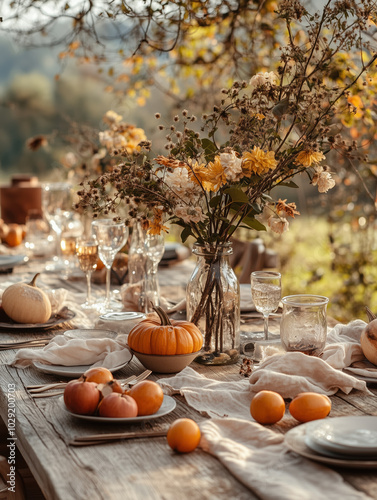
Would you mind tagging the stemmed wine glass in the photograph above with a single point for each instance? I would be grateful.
(87, 254)
(56, 200)
(266, 294)
(111, 237)
(154, 250)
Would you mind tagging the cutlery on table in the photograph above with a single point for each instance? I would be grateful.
(103, 438)
(40, 342)
(41, 391)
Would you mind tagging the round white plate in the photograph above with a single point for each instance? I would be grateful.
(63, 316)
(72, 371)
(10, 261)
(295, 440)
(346, 435)
(167, 406)
(327, 453)
(90, 334)
(370, 380)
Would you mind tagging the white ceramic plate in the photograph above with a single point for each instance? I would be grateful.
(63, 316)
(295, 440)
(327, 453)
(349, 436)
(10, 261)
(370, 380)
(167, 406)
(90, 334)
(72, 371)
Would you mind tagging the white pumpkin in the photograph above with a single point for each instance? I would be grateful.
(26, 303)
(368, 341)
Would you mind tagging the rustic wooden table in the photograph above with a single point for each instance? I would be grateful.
(137, 468)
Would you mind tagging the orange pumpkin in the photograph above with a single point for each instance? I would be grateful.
(165, 337)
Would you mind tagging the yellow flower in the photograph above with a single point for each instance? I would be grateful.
(215, 177)
(156, 225)
(307, 158)
(258, 162)
(197, 172)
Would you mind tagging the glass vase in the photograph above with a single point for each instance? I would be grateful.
(213, 304)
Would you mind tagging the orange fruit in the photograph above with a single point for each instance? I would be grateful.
(14, 236)
(148, 396)
(183, 435)
(99, 375)
(267, 407)
(309, 406)
(100, 264)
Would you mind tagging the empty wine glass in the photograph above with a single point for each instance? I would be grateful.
(87, 254)
(56, 201)
(111, 237)
(266, 294)
(154, 250)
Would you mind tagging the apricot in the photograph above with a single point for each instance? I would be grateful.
(148, 396)
(267, 407)
(98, 374)
(183, 435)
(309, 406)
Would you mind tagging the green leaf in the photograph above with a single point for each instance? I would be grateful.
(253, 223)
(186, 233)
(290, 184)
(237, 195)
(215, 201)
(209, 149)
(190, 148)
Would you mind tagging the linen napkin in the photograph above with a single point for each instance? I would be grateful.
(259, 458)
(295, 372)
(130, 299)
(72, 352)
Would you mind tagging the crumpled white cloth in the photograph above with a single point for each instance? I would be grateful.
(295, 372)
(72, 352)
(213, 398)
(260, 460)
(288, 374)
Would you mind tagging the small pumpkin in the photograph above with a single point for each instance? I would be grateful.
(26, 303)
(165, 337)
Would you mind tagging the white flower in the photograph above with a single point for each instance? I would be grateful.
(323, 180)
(69, 160)
(278, 224)
(181, 184)
(265, 214)
(112, 118)
(107, 140)
(262, 78)
(231, 165)
(189, 214)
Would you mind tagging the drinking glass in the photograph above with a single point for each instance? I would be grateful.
(87, 254)
(154, 250)
(266, 294)
(303, 325)
(57, 202)
(111, 237)
(68, 250)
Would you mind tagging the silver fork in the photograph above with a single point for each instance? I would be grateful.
(128, 381)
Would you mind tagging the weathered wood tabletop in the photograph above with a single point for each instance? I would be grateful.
(143, 468)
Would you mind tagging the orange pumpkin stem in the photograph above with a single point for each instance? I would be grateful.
(32, 282)
(165, 321)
